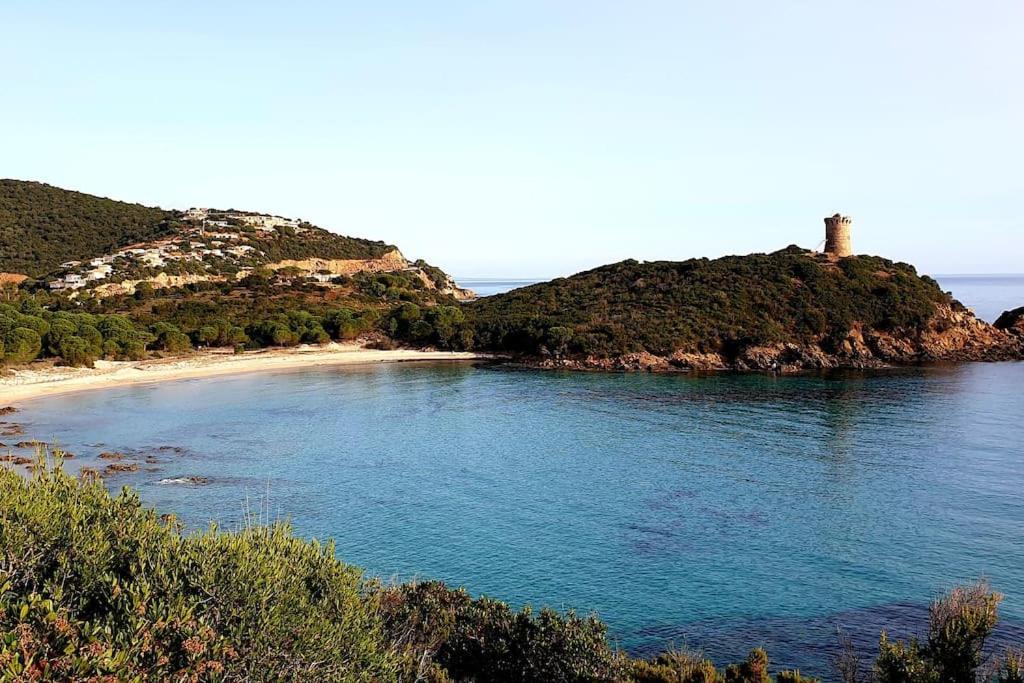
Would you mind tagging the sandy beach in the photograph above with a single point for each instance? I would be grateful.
(27, 384)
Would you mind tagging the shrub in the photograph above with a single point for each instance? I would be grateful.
(754, 670)
(1011, 668)
(959, 624)
(485, 640)
(675, 667)
(95, 585)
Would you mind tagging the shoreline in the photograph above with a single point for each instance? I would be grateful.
(28, 384)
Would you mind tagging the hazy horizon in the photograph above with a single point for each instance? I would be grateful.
(533, 140)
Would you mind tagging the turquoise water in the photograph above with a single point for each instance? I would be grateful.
(723, 512)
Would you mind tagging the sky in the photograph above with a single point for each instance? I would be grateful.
(538, 139)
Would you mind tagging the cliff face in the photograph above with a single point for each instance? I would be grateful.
(390, 261)
(160, 281)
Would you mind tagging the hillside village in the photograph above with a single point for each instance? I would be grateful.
(212, 245)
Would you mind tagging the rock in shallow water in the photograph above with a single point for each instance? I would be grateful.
(185, 481)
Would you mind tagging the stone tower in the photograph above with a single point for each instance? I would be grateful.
(837, 236)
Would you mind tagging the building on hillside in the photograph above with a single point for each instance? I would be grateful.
(838, 239)
(240, 250)
(100, 272)
(268, 222)
(71, 281)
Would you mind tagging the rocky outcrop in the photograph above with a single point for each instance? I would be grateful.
(389, 262)
(954, 334)
(1012, 322)
(161, 281)
(12, 279)
(449, 286)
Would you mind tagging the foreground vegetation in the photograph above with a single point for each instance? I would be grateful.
(95, 587)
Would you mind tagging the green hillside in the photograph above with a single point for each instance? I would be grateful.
(42, 226)
(707, 306)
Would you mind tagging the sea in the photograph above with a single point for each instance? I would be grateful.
(717, 513)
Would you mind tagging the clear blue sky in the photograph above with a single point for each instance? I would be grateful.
(540, 138)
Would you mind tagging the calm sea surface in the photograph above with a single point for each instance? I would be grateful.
(722, 512)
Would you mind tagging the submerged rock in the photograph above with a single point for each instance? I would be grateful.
(121, 467)
(186, 481)
(8, 410)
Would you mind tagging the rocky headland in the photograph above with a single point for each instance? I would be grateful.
(790, 311)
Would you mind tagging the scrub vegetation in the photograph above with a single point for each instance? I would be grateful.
(42, 226)
(707, 306)
(96, 587)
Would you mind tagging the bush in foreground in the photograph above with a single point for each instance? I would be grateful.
(95, 587)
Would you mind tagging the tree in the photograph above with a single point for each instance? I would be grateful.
(77, 352)
(144, 290)
(22, 345)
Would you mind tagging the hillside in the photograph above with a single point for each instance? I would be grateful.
(42, 226)
(118, 281)
(791, 309)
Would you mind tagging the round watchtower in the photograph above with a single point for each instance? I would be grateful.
(838, 242)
